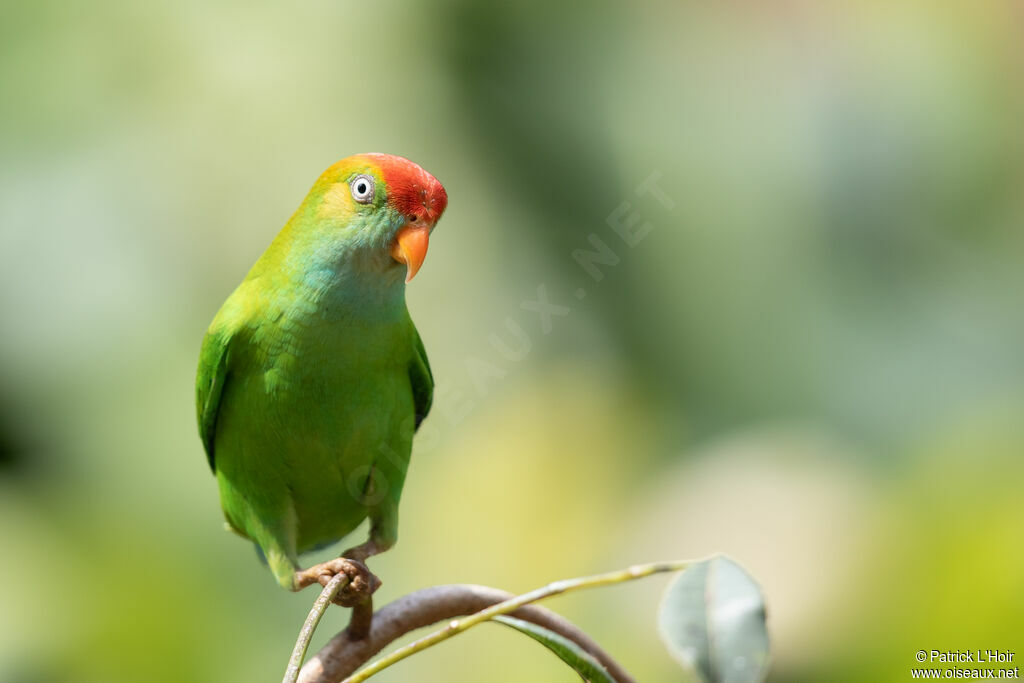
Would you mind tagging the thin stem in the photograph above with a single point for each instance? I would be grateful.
(556, 588)
(361, 620)
(342, 656)
(337, 582)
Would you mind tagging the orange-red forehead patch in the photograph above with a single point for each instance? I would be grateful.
(410, 189)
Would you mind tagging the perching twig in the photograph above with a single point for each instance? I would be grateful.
(511, 605)
(422, 608)
(337, 582)
(343, 655)
(362, 617)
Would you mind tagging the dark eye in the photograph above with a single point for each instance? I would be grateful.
(362, 187)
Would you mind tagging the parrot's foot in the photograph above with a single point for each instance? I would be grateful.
(361, 585)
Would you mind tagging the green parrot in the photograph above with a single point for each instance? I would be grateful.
(312, 377)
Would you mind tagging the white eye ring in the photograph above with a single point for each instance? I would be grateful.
(362, 187)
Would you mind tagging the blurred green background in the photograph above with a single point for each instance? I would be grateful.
(812, 362)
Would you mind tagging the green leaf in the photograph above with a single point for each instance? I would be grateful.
(581, 661)
(712, 620)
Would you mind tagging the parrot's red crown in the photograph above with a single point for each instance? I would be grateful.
(411, 190)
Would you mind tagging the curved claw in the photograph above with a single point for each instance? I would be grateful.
(362, 582)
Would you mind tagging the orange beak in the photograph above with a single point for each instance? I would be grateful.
(410, 247)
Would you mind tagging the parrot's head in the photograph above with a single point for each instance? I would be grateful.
(381, 209)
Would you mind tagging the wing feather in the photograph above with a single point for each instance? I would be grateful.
(211, 378)
(421, 378)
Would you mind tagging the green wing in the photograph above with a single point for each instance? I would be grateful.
(422, 379)
(210, 380)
